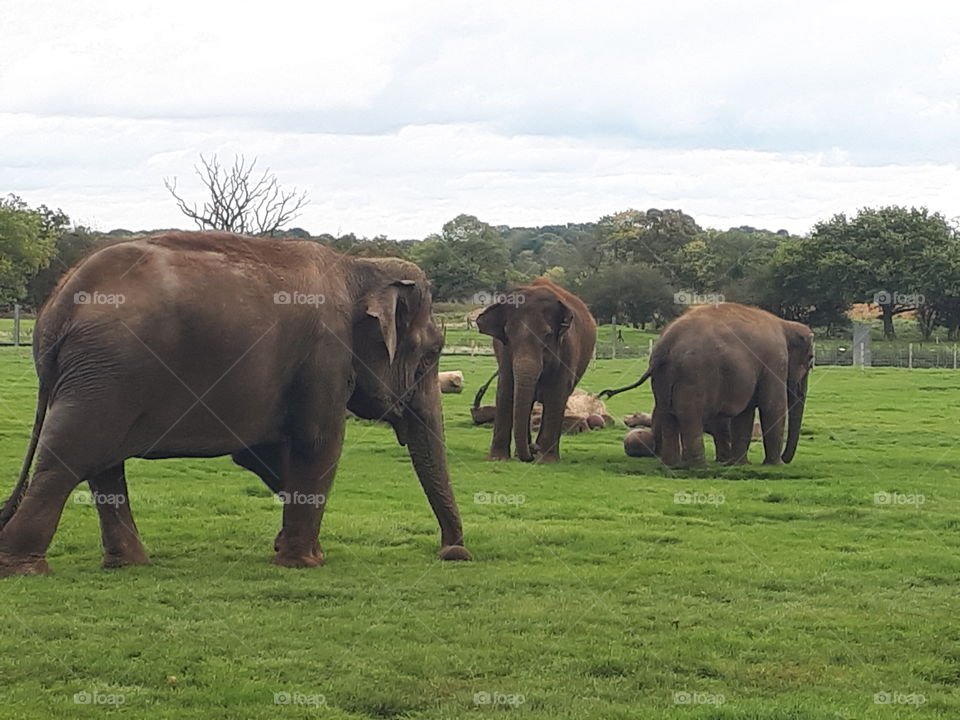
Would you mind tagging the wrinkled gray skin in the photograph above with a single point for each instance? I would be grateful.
(713, 368)
(203, 358)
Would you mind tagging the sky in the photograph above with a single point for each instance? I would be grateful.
(395, 117)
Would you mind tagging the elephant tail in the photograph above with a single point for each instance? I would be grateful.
(609, 393)
(483, 389)
(45, 370)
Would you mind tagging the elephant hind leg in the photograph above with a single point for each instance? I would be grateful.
(118, 532)
(666, 432)
(70, 450)
(741, 429)
(25, 538)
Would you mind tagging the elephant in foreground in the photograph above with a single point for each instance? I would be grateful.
(209, 344)
(712, 369)
(543, 339)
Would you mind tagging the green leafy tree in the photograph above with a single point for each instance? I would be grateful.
(71, 245)
(466, 257)
(27, 244)
(725, 261)
(807, 282)
(630, 293)
(939, 289)
(880, 254)
(654, 237)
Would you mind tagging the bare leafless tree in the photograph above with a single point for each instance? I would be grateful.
(240, 201)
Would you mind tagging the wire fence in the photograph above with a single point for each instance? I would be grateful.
(909, 355)
(18, 331)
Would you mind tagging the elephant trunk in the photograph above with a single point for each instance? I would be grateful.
(796, 397)
(423, 425)
(524, 392)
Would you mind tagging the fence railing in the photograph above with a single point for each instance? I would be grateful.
(15, 330)
(930, 355)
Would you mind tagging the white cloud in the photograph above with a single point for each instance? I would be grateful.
(397, 116)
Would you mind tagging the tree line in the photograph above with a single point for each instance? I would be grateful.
(636, 267)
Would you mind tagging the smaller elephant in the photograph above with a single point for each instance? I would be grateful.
(451, 381)
(639, 419)
(640, 442)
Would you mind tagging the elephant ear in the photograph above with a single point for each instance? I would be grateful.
(800, 347)
(383, 306)
(564, 318)
(493, 322)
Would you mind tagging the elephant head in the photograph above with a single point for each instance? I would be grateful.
(531, 324)
(397, 348)
(799, 362)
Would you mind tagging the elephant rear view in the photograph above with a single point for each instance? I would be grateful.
(543, 337)
(712, 368)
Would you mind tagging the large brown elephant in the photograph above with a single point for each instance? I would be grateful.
(543, 339)
(208, 344)
(712, 368)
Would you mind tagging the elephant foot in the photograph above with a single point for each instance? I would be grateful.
(294, 557)
(10, 566)
(548, 458)
(525, 457)
(774, 461)
(739, 461)
(695, 464)
(498, 456)
(126, 558)
(298, 561)
(455, 552)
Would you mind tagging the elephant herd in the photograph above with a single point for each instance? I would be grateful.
(209, 344)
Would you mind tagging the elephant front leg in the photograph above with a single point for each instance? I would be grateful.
(551, 423)
(503, 418)
(719, 428)
(118, 532)
(773, 410)
(307, 487)
(271, 464)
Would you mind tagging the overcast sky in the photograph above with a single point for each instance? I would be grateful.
(397, 116)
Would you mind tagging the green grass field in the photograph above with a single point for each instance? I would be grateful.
(790, 593)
